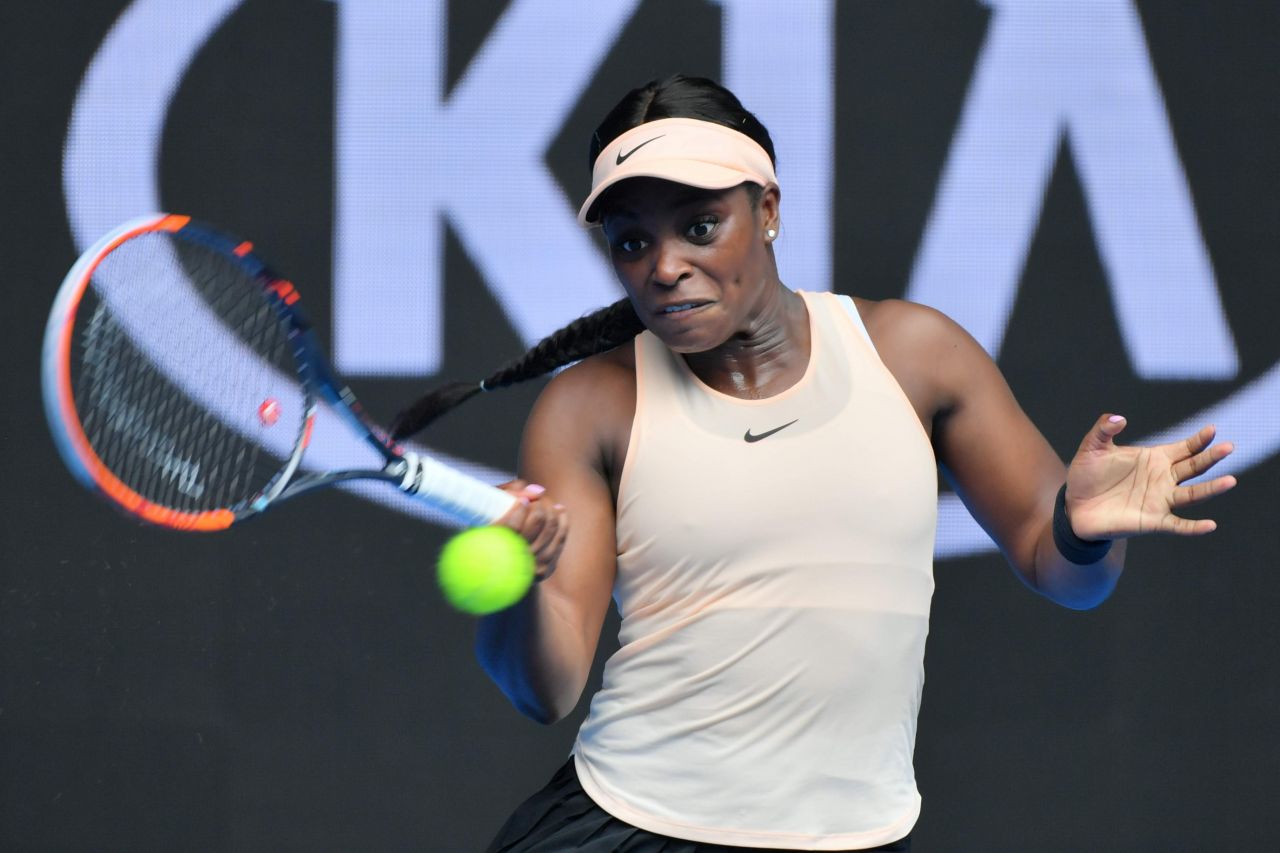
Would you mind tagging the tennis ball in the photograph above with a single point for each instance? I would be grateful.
(485, 569)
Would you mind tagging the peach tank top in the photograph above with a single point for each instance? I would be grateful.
(775, 570)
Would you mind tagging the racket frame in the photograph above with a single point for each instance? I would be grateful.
(314, 375)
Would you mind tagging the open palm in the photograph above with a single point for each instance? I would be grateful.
(1118, 491)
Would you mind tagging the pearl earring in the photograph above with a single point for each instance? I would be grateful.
(771, 233)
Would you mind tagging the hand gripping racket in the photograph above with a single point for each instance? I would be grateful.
(182, 383)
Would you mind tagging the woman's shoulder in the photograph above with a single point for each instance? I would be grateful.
(598, 386)
(931, 356)
(587, 409)
(604, 372)
(897, 325)
(894, 320)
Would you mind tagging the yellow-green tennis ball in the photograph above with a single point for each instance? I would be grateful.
(485, 569)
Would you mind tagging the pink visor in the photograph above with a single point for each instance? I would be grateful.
(684, 150)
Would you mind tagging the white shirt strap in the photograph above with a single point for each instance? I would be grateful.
(852, 310)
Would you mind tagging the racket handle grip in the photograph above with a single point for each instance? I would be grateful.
(447, 489)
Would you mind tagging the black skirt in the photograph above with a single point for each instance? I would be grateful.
(562, 817)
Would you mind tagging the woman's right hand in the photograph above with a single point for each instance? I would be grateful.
(543, 523)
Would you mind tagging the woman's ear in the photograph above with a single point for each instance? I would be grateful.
(769, 216)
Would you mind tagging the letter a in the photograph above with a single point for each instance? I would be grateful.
(1055, 67)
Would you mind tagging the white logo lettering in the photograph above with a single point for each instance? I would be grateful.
(407, 159)
(1055, 69)
(798, 107)
(109, 166)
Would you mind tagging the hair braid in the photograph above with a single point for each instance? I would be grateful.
(593, 333)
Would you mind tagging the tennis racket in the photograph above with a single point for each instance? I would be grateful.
(182, 383)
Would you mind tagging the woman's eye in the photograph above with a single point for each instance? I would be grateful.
(630, 244)
(702, 229)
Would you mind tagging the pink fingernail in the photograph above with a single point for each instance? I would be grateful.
(535, 489)
(558, 506)
(524, 500)
(1115, 419)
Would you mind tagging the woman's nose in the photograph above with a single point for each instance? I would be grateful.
(670, 265)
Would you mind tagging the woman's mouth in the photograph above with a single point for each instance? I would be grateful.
(681, 308)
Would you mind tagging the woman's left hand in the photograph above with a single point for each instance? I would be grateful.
(1115, 492)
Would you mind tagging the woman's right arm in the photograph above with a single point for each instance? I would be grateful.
(539, 651)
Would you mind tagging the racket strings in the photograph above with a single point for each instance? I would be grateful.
(181, 370)
(114, 422)
(140, 428)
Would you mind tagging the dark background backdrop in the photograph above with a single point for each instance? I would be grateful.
(299, 684)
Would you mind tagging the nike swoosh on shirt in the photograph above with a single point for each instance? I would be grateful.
(622, 157)
(748, 437)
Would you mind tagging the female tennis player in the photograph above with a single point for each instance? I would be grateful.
(751, 473)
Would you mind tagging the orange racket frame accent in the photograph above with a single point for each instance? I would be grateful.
(92, 470)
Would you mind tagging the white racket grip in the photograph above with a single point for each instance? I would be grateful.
(464, 497)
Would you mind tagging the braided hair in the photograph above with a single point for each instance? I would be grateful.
(676, 96)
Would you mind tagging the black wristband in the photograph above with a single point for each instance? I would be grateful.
(1082, 552)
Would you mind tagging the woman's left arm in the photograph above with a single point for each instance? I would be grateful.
(1009, 477)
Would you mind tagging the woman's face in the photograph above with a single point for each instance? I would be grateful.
(694, 262)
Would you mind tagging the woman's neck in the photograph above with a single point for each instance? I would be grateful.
(767, 356)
